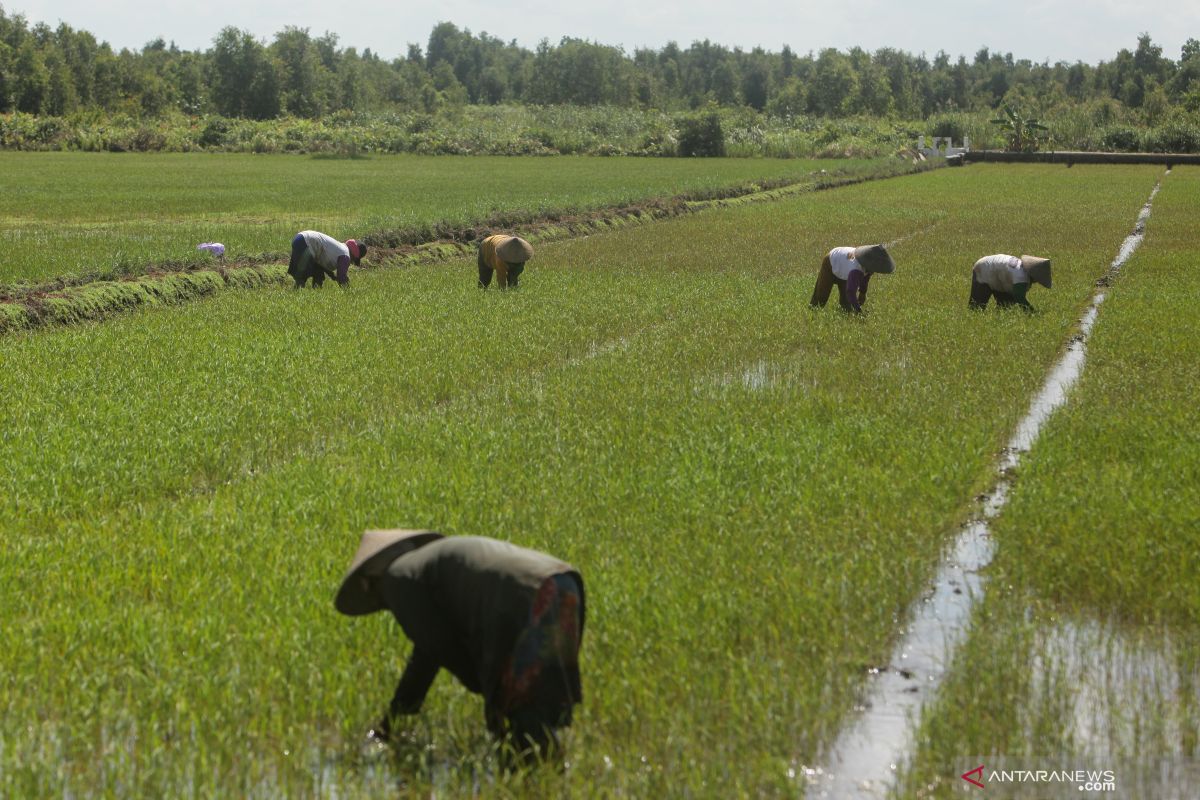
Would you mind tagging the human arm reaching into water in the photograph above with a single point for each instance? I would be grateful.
(1019, 291)
(410, 692)
(856, 290)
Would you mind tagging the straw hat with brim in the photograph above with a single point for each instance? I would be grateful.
(376, 550)
(1038, 269)
(874, 258)
(515, 250)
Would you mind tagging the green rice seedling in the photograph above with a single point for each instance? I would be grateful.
(1094, 576)
(755, 492)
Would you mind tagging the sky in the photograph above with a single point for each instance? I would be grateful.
(1039, 30)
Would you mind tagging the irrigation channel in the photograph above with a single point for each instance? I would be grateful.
(875, 744)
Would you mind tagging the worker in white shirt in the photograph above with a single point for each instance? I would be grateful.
(315, 255)
(1007, 278)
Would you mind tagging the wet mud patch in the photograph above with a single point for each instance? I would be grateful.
(600, 349)
(1111, 700)
(421, 762)
(1133, 699)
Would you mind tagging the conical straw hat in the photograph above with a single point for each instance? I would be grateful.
(1038, 269)
(515, 250)
(376, 546)
(874, 258)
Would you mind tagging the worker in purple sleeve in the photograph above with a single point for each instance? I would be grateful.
(315, 255)
(850, 268)
(1007, 278)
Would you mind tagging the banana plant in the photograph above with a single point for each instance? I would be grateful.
(1024, 133)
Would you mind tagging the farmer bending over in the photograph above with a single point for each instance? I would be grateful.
(506, 256)
(315, 255)
(1007, 278)
(505, 621)
(851, 269)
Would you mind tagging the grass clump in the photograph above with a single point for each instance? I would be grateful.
(13, 316)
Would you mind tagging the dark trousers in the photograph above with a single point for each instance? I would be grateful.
(826, 280)
(981, 293)
(485, 274)
(302, 265)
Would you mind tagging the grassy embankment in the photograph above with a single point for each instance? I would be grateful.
(1087, 649)
(753, 490)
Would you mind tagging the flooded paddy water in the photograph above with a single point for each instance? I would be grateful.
(1131, 702)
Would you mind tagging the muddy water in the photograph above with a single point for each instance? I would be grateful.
(879, 739)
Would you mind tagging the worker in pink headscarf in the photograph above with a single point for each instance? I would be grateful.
(315, 255)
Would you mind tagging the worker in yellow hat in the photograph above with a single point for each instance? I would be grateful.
(505, 256)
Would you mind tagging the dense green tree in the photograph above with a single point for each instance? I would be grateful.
(834, 88)
(354, 92)
(186, 74)
(7, 77)
(303, 78)
(61, 98)
(756, 79)
(245, 77)
(79, 51)
(790, 101)
(31, 83)
(1148, 60)
(1187, 74)
(63, 70)
(106, 83)
(787, 62)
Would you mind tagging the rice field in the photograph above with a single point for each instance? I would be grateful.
(1088, 652)
(89, 215)
(756, 492)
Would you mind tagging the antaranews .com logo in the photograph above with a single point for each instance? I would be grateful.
(1013, 778)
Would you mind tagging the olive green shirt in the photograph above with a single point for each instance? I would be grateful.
(464, 601)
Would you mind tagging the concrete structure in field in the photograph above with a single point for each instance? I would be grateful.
(943, 147)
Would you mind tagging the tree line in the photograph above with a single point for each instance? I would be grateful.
(62, 71)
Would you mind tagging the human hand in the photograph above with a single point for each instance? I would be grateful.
(380, 732)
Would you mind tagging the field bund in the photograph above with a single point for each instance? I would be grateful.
(756, 492)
